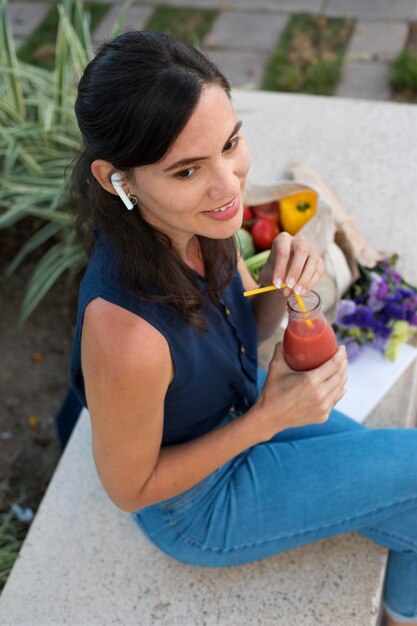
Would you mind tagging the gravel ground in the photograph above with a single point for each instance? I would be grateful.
(33, 383)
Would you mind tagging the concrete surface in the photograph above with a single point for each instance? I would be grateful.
(399, 10)
(84, 562)
(243, 68)
(26, 16)
(364, 80)
(136, 18)
(377, 41)
(234, 29)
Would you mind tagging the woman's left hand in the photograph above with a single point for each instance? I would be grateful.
(293, 261)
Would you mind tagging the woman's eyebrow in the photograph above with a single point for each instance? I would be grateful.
(183, 162)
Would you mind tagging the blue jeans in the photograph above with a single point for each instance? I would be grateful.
(303, 485)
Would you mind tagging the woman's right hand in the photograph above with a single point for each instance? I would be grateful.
(290, 398)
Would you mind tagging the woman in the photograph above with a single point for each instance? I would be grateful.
(214, 470)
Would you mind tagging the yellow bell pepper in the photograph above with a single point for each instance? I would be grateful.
(297, 209)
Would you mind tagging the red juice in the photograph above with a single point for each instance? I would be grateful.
(309, 339)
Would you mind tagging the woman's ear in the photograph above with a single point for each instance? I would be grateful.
(102, 171)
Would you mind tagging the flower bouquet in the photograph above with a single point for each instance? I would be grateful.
(378, 311)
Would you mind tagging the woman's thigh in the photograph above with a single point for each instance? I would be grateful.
(337, 423)
(288, 492)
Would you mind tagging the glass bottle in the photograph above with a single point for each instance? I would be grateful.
(309, 339)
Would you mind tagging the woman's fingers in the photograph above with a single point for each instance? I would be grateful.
(282, 250)
(318, 274)
(295, 262)
(305, 268)
(311, 275)
(331, 367)
(301, 252)
(328, 393)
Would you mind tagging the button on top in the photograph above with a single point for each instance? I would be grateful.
(242, 349)
(227, 311)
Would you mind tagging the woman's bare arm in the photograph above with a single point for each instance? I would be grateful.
(127, 369)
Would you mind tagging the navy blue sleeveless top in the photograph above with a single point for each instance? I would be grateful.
(214, 370)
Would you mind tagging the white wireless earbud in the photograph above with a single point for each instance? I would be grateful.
(116, 181)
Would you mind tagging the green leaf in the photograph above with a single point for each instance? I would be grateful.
(11, 112)
(46, 276)
(38, 238)
(79, 54)
(11, 217)
(121, 18)
(8, 58)
(56, 216)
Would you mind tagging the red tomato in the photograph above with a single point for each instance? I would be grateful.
(247, 213)
(264, 232)
(248, 218)
(269, 210)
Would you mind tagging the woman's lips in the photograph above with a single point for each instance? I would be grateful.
(226, 214)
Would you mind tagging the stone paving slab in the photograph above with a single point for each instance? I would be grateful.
(369, 81)
(279, 6)
(400, 10)
(24, 17)
(136, 18)
(242, 68)
(259, 31)
(377, 41)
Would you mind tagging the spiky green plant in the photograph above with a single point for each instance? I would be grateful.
(39, 140)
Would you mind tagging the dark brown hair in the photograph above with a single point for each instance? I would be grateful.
(134, 99)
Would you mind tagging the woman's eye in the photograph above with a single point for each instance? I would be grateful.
(186, 173)
(232, 144)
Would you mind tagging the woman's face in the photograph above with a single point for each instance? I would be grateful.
(197, 188)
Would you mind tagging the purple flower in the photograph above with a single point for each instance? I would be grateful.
(375, 302)
(395, 311)
(382, 330)
(363, 317)
(379, 343)
(378, 302)
(353, 349)
(413, 319)
(391, 274)
(405, 293)
(382, 290)
(346, 307)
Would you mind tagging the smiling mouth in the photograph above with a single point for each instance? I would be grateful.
(222, 209)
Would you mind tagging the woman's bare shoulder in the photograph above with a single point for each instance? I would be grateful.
(111, 330)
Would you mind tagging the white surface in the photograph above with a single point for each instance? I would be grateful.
(370, 379)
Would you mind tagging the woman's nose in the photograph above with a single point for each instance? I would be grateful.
(225, 185)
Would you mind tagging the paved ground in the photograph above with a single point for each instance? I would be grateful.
(246, 31)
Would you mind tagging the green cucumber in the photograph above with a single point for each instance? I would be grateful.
(255, 263)
(245, 243)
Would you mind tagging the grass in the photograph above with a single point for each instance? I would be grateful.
(12, 534)
(309, 55)
(403, 74)
(190, 25)
(39, 47)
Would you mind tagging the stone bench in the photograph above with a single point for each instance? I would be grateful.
(85, 563)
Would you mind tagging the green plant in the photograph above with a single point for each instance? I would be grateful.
(39, 140)
(309, 55)
(404, 72)
(188, 24)
(11, 539)
(39, 47)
